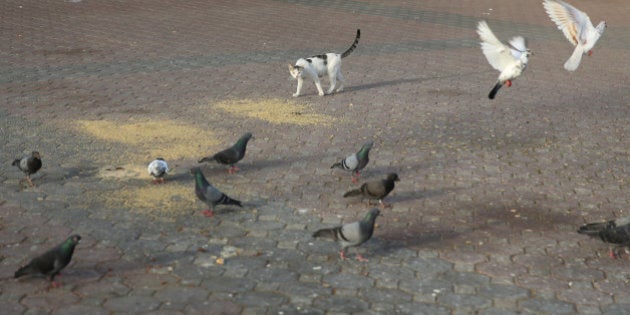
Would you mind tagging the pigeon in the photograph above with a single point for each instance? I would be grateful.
(510, 60)
(231, 155)
(613, 232)
(29, 165)
(158, 169)
(356, 162)
(52, 262)
(351, 234)
(577, 28)
(376, 189)
(209, 194)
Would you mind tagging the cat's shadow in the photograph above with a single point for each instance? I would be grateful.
(382, 83)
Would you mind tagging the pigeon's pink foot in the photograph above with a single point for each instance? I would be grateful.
(612, 254)
(361, 258)
(162, 180)
(590, 52)
(233, 169)
(509, 83)
(342, 255)
(207, 213)
(55, 284)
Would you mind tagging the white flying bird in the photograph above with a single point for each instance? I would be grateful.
(510, 60)
(577, 28)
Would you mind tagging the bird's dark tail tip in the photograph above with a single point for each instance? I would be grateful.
(16, 162)
(592, 229)
(235, 202)
(354, 192)
(494, 91)
(336, 165)
(20, 272)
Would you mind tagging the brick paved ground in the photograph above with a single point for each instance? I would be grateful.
(484, 216)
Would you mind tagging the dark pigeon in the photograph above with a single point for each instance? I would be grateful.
(29, 165)
(356, 162)
(612, 232)
(352, 234)
(231, 155)
(52, 262)
(209, 194)
(376, 189)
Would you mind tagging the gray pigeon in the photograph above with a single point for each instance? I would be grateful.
(29, 165)
(355, 162)
(158, 169)
(52, 262)
(210, 195)
(613, 232)
(376, 189)
(231, 155)
(352, 234)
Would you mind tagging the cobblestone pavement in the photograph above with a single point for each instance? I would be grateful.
(483, 219)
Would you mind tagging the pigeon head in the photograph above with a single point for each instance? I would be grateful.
(159, 158)
(75, 238)
(372, 214)
(601, 27)
(368, 145)
(195, 170)
(393, 177)
(35, 154)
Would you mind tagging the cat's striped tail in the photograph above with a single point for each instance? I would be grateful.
(354, 45)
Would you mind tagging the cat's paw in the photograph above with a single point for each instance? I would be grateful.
(296, 94)
(340, 89)
(321, 93)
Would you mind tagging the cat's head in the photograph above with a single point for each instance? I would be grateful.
(295, 71)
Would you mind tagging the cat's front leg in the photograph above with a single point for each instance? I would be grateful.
(299, 87)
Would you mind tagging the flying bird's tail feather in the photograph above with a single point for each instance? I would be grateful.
(574, 61)
(354, 192)
(494, 91)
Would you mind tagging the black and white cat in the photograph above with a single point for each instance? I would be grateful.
(320, 66)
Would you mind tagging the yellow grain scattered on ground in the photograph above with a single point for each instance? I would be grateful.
(178, 140)
(163, 200)
(275, 111)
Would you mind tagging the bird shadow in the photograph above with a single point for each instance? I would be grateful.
(420, 194)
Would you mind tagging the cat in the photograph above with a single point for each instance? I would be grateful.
(319, 66)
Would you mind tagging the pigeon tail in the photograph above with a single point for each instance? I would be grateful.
(25, 270)
(206, 159)
(494, 91)
(574, 61)
(337, 165)
(225, 200)
(593, 229)
(354, 192)
(327, 233)
(16, 162)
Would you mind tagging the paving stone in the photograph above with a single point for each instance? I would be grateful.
(260, 299)
(537, 306)
(131, 304)
(347, 281)
(340, 304)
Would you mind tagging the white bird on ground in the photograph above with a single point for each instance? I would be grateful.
(577, 28)
(510, 59)
(158, 169)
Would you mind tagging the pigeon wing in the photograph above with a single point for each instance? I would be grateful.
(518, 46)
(498, 54)
(350, 235)
(571, 21)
